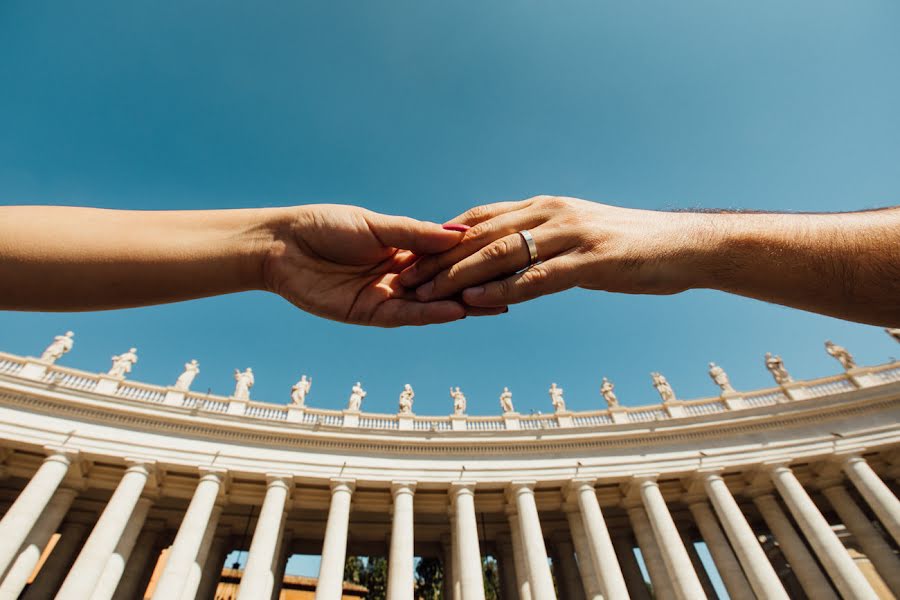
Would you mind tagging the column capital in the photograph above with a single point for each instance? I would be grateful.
(579, 484)
(517, 488)
(460, 488)
(216, 473)
(403, 487)
(61, 453)
(135, 464)
(342, 484)
(277, 479)
(771, 466)
(631, 489)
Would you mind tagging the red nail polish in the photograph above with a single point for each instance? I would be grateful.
(457, 227)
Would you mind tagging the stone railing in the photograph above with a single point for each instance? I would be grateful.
(58, 377)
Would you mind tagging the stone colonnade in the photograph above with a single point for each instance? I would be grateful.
(111, 556)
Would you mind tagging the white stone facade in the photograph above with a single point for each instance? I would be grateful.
(123, 469)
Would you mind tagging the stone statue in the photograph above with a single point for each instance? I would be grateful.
(776, 367)
(841, 354)
(299, 391)
(122, 363)
(663, 387)
(406, 400)
(459, 401)
(894, 332)
(60, 345)
(184, 381)
(607, 389)
(506, 401)
(357, 393)
(720, 377)
(244, 381)
(556, 398)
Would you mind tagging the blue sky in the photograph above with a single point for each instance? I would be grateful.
(427, 108)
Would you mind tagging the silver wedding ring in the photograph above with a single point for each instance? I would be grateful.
(532, 246)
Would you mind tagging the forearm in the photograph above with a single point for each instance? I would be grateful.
(62, 258)
(845, 265)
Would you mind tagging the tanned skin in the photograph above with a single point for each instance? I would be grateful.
(846, 265)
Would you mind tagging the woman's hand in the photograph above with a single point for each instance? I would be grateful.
(579, 244)
(342, 263)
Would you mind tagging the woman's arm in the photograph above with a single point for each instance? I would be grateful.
(340, 262)
(845, 265)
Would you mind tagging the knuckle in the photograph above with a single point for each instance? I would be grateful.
(497, 250)
(535, 276)
(475, 213)
(480, 231)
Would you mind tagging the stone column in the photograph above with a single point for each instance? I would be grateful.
(401, 579)
(456, 582)
(802, 563)
(57, 564)
(115, 565)
(196, 521)
(334, 548)
(522, 493)
(31, 550)
(102, 542)
(468, 552)
(212, 570)
(523, 585)
(876, 549)
(758, 569)
(25, 511)
(447, 565)
(568, 570)
(847, 577)
(699, 569)
(257, 580)
(653, 560)
(727, 565)
(195, 573)
(280, 564)
(602, 551)
(634, 579)
(883, 502)
(678, 563)
(506, 559)
(590, 581)
(143, 558)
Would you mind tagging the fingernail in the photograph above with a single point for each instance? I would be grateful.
(424, 290)
(457, 227)
(474, 292)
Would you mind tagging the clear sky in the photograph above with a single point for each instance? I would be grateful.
(427, 108)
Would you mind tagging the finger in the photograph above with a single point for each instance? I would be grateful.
(421, 237)
(496, 260)
(485, 212)
(472, 311)
(398, 312)
(555, 275)
(475, 239)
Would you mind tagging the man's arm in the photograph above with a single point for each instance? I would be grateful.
(845, 265)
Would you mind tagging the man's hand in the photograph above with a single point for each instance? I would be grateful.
(846, 265)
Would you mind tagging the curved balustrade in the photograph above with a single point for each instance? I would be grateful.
(64, 377)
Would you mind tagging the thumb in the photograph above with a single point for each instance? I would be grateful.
(421, 237)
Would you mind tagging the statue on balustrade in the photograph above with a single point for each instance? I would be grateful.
(894, 332)
(60, 345)
(406, 400)
(357, 393)
(506, 404)
(122, 363)
(607, 389)
(459, 401)
(244, 381)
(841, 354)
(556, 398)
(663, 387)
(299, 391)
(776, 367)
(184, 381)
(720, 377)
